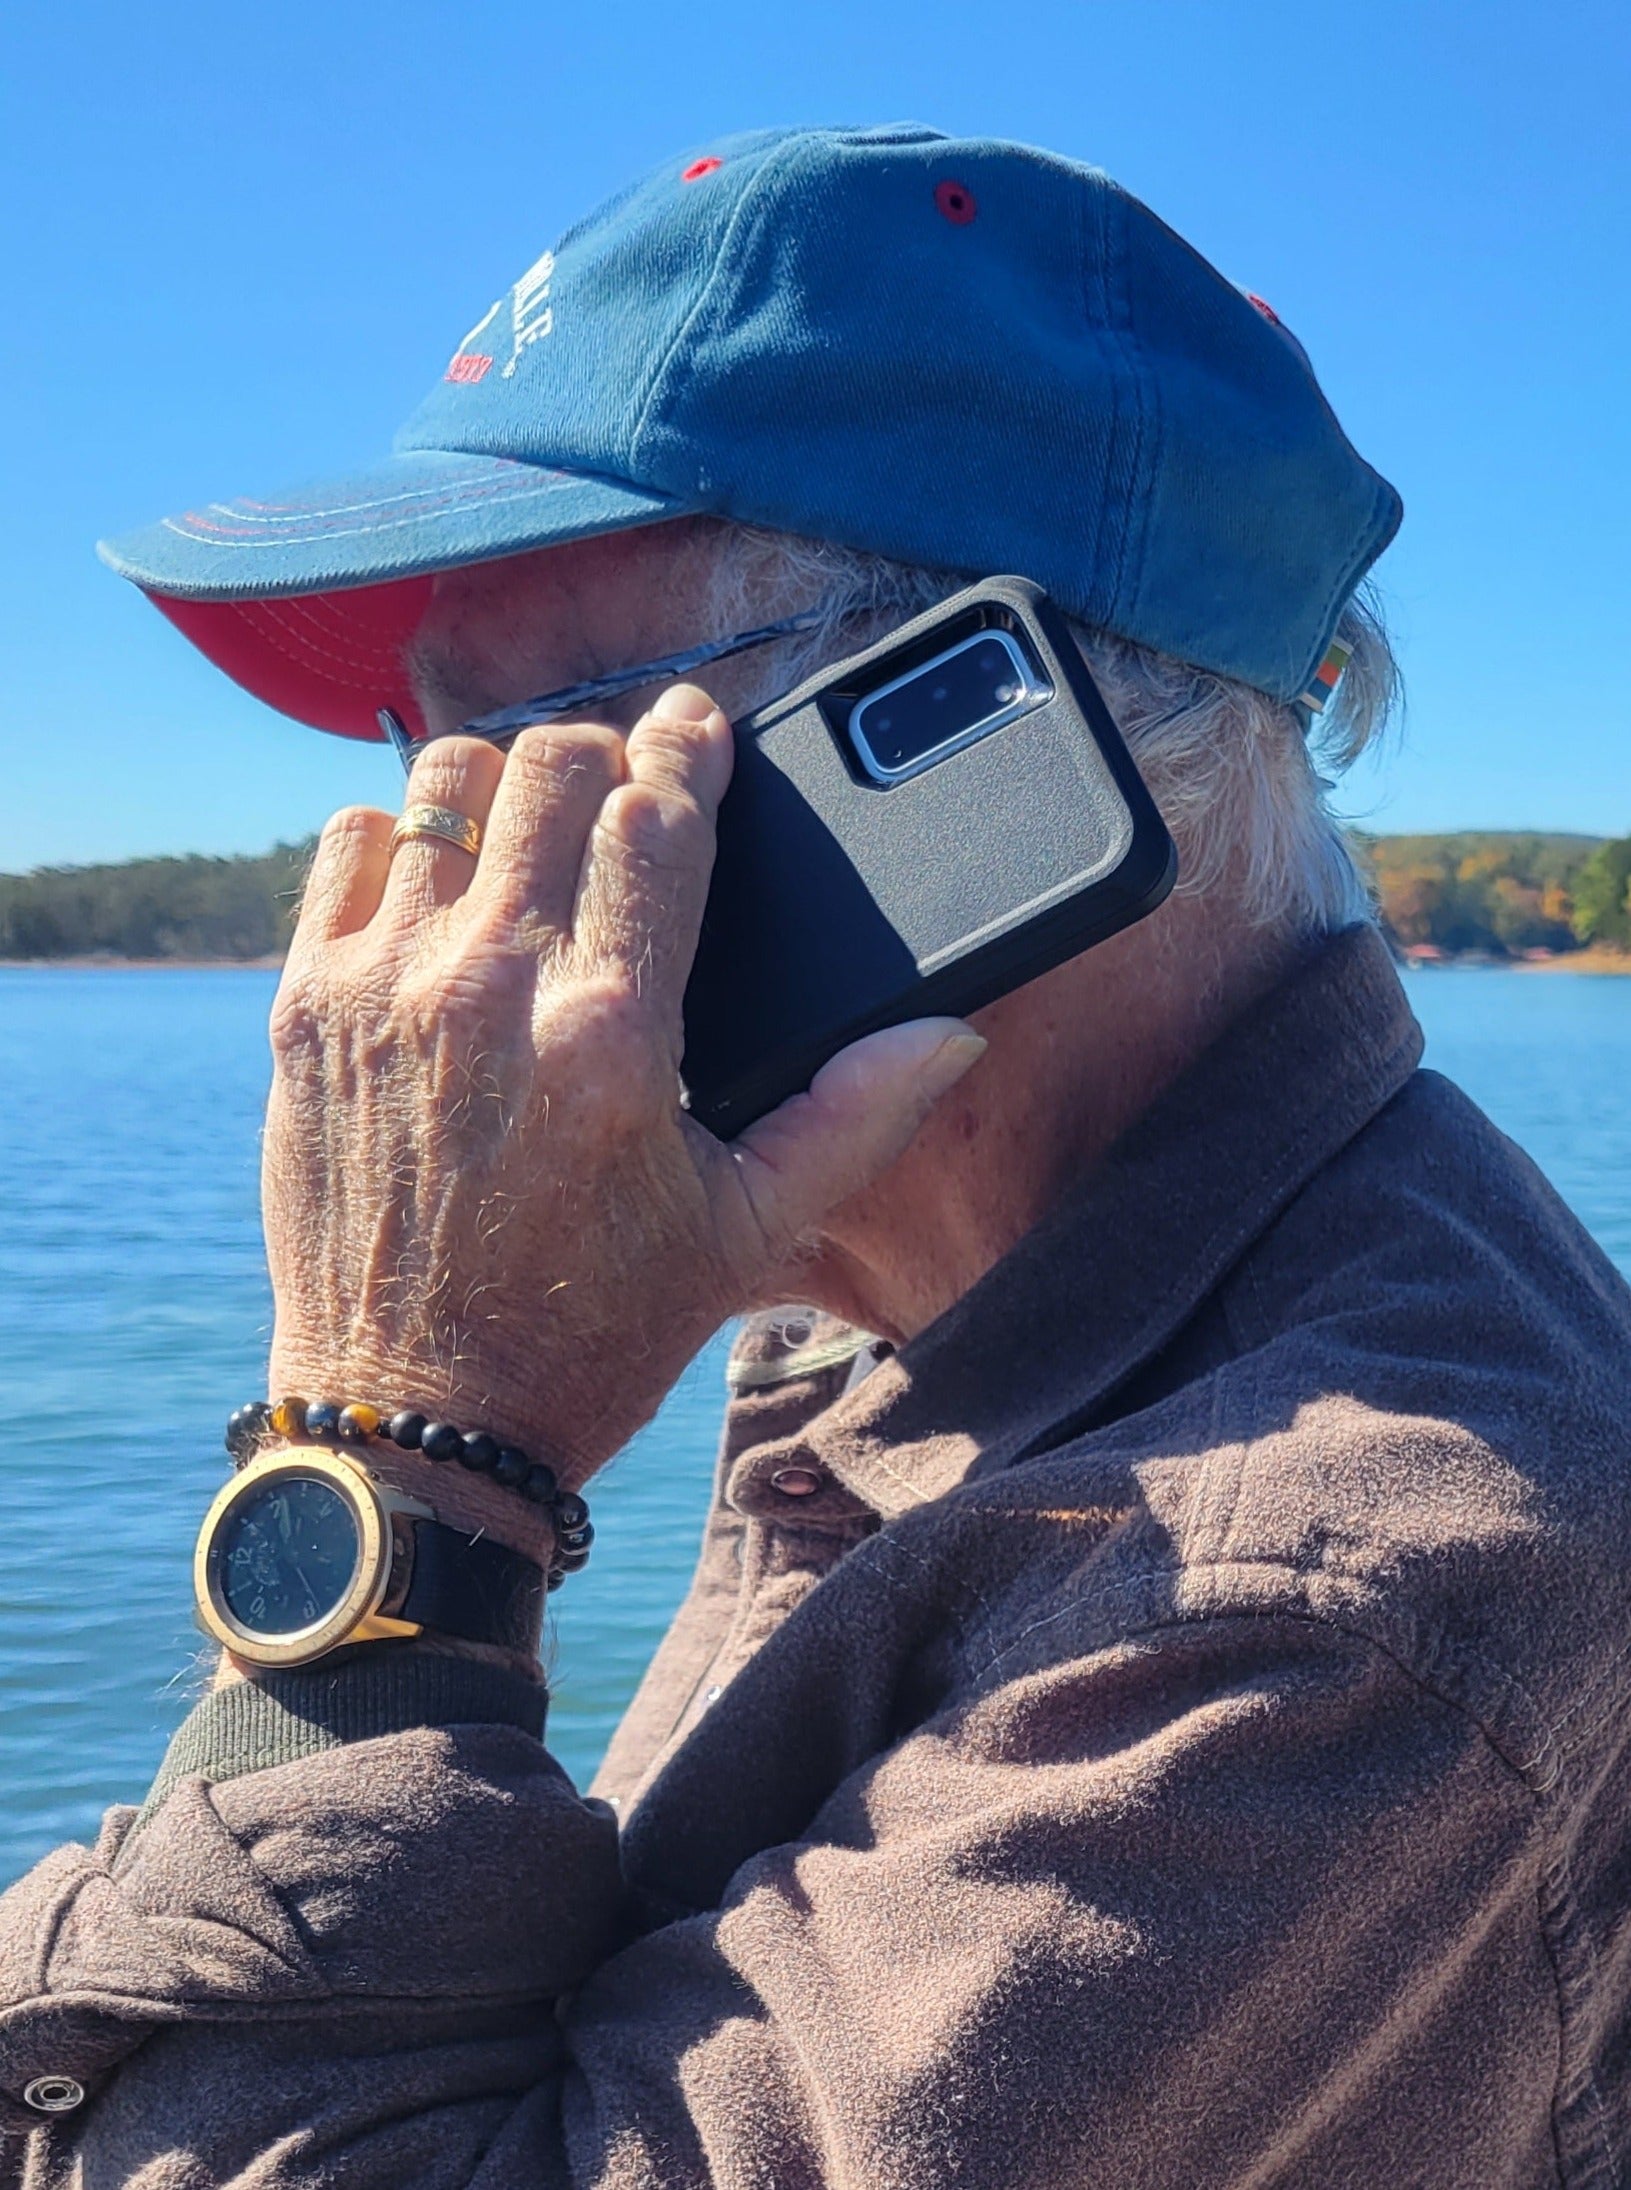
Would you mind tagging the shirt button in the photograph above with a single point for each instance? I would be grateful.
(796, 1482)
(54, 2094)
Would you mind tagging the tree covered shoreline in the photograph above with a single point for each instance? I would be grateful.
(1492, 895)
(1502, 894)
(190, 909)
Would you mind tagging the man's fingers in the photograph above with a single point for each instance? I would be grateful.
(684, 744)
(347, 875)
(461, 775)
(862, 1111)
(556, 780)
(646, 871)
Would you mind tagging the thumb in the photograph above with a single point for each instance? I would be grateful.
(862, 1110)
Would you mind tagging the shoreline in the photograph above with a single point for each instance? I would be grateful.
(1594, 958)
(105, 962)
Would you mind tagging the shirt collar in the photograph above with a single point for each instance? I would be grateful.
(1111, 1274)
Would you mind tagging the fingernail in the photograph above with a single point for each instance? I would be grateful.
(950, 1061)
(683, 703)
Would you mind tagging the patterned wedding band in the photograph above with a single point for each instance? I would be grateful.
(440, 822)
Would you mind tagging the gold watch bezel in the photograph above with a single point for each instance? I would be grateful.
(382, 1516)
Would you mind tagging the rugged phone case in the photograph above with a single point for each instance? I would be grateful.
(839, 906)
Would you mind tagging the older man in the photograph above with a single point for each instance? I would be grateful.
(1150, 1709)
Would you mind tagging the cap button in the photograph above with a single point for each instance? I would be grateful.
(795, 1482)
(54, 2094)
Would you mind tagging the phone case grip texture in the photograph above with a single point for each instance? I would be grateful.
(838, 906)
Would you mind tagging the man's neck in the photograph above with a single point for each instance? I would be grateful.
(1075, 1059)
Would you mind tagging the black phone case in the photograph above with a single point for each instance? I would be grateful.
(838, 906)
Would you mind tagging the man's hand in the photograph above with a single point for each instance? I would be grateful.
(482, 1196)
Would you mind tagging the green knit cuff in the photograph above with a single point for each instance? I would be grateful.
(277, 1718)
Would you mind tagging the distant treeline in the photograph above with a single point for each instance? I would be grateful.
(1503, 893)
(1499, 893)
(155, 908)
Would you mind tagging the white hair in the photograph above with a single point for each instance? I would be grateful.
(1240, 781)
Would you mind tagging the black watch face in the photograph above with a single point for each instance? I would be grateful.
(287, 1555)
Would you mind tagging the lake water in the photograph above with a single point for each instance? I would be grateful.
(133, 1315)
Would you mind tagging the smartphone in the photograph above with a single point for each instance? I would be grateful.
(916, 830)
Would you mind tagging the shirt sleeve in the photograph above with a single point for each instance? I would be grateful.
(1236, 1900)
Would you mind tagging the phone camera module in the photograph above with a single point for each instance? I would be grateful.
(963, 694)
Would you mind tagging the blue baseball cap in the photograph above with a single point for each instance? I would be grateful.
(952, 351)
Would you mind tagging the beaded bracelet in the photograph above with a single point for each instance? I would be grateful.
(326, 1424)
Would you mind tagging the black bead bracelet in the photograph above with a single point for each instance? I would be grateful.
(325, 1424)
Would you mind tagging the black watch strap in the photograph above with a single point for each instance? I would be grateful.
(476, 1589)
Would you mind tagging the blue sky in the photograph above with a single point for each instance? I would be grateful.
(240, 243)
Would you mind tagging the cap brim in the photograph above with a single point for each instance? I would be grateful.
(310, 600)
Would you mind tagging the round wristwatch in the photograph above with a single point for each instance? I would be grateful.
(303, 1551)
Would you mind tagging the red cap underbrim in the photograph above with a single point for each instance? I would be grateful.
(328, 659)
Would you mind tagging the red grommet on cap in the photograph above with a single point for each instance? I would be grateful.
(956, 202)
(699, 168)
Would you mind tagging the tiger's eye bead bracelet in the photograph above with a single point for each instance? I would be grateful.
(325, 1424)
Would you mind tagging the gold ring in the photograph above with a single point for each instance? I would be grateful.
(440, 822)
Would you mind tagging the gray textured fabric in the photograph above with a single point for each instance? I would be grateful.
(1181, 1742)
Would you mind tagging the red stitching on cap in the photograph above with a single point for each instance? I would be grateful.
(956, 203)
(699, 168)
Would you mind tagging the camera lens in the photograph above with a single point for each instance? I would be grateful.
(969, 688)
